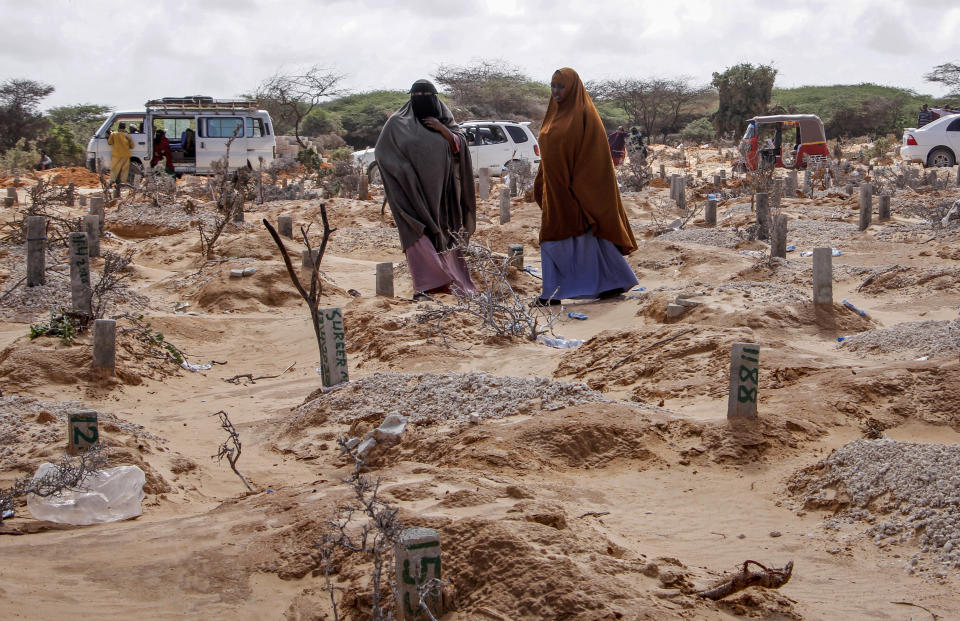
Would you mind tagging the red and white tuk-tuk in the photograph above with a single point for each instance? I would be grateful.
(763, 144)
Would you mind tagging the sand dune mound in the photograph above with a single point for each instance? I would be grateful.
(692, 363)
(140, 220)
(432, 398)
(28, 363)
(907, 491)
(914, 338)
(914, 281)
(34, 431)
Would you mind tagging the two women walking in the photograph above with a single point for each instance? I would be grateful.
(428, 179)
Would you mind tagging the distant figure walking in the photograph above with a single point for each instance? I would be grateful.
(635, 147)
(428, 180)
(618, 145)
(925, 116)
(121, 145)
(584, 231)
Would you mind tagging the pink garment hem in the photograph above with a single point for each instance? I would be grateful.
(432, 270)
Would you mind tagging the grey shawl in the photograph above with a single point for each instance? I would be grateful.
(430, 189)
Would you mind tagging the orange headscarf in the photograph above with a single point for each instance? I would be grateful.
(576, 186)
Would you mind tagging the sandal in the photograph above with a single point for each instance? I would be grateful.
(545, 302)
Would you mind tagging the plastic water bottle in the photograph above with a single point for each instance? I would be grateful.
(560, 342)
(579, 316)
(851, 306)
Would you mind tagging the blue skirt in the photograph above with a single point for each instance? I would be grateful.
(583, 267)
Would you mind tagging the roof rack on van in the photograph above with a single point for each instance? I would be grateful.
(198, 102)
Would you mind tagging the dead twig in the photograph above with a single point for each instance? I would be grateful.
(593, 514)
(252, 380)
(648, 348)
(231, 447)
(768, 578)
(316, 286)
(872, 277)
(932, 613)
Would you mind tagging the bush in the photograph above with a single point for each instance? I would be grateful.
(20, 157)
(342, 154)
(698, 131)
(62, 147)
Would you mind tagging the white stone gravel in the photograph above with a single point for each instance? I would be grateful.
(916, 338)
(441, 397)
(906, 490)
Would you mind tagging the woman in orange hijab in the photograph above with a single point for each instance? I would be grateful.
(584, 231)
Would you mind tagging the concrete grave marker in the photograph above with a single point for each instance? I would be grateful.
(883, 210)
(417, 561)
(866, 205)
(791, 186)
(807, 183)
(723, 176)
(385, 279)
(663, 171)
(82, 430)
(285, 226)
(80, 289)
(91, 226)
(763, 215)
(12, 194)
(716, 180)
(363, 193)
(823, 276)
(82, 200)
(710, 214)
(515, 255)
(71, 194)
(36, 250)
(504, 205)
(484, 181)
(105, 346)
(778, 237)
(333, 351)
(97, 209)
(307, 258)
(744, 380)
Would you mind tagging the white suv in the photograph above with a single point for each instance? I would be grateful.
(493, 145)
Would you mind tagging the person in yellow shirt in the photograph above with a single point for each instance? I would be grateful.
(121, 144)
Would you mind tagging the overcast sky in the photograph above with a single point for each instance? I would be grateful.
(122, 53)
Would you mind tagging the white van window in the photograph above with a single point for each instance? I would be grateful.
(254, 127)
(223, 128)
(492, 134)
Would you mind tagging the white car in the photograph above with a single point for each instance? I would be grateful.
(935, 144)
(493, 145)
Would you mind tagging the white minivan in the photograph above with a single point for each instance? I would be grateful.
(213, 122)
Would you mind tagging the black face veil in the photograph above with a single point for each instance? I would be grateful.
(424, 101)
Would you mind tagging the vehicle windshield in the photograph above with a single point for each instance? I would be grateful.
(751, 131)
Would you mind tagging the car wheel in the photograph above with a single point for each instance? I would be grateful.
(373, 175)
(940, 157)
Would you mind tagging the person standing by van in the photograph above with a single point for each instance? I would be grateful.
(121, 145)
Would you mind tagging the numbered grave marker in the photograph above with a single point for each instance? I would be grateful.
(417, 562)
(744, 380)
(82, 430)
(333, 352)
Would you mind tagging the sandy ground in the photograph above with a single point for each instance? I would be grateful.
(620, 503)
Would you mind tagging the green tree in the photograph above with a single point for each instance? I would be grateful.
(493, 89)
(19, 117)
(658, 105)
(947, 74)
(81, 119)
(362, 115)
(700, 130)
(62, 146)
(290, 97)
(745, 92)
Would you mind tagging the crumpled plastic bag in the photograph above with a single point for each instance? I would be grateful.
(109, 495)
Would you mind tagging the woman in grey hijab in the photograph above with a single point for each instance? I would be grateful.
(428, 178)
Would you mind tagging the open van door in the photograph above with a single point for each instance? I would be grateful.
(215, 132)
